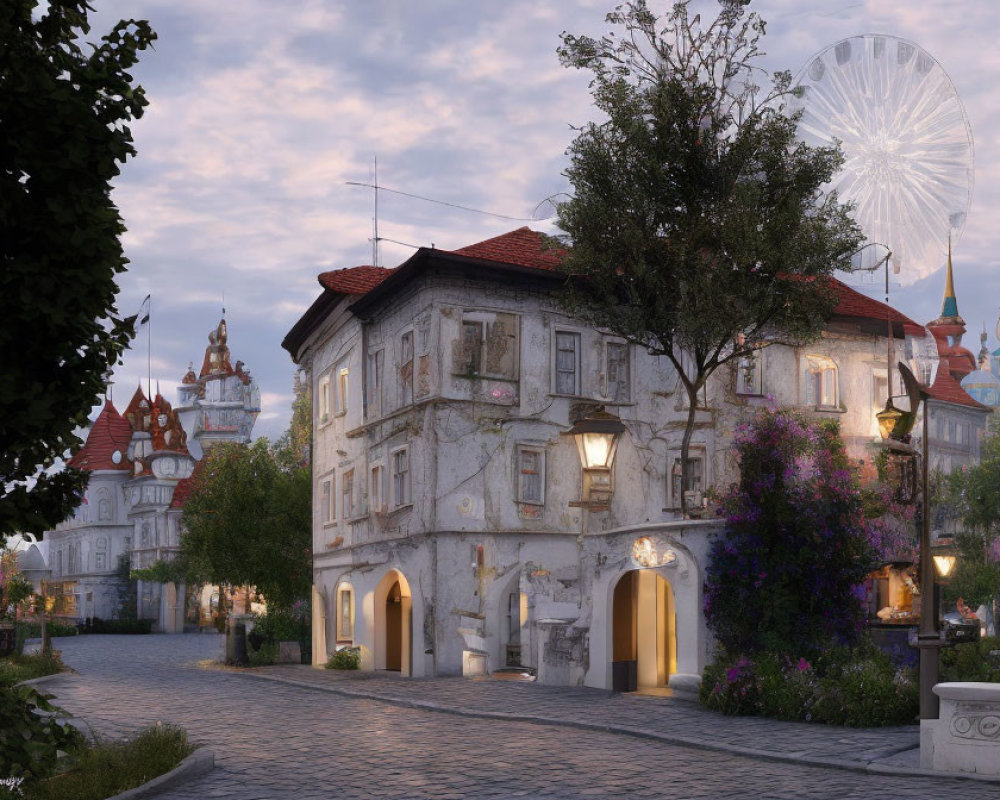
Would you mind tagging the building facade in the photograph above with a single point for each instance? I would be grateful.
(449, 535)
(140, 467)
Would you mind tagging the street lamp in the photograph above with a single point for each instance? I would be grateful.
(597, 436)
(928, 633)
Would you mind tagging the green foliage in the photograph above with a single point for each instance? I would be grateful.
(264, 655)
(175, 571)
(31, 733)
(293, 449)
(124, 626)
(974, 494)
(249, 522)
(106, 769)
(345, 658)
(33, 630)
(972, 661)
(697, 225)
(289, 624)
(14, 587)
(17, 668)
(65, 108)
(858, 687)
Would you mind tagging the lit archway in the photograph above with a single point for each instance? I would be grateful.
(643, 632)
(393, 623)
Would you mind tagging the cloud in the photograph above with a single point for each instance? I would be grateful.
(261, 112)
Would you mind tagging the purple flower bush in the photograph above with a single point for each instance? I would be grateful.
(797, 544)
(784, 585)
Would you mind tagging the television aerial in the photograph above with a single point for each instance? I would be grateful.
(907, 143)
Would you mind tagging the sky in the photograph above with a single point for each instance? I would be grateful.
(262, 114)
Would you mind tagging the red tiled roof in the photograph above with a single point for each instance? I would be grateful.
(354, 280)
(109, 433)
(946, 389)
(852, 303)
(523, 247)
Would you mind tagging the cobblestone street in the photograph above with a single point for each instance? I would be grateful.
(279, 739)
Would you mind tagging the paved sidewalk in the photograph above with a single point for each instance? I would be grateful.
(893, 751)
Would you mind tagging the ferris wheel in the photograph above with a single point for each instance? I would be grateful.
(907, 143)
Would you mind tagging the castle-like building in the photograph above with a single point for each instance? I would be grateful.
(140, 466)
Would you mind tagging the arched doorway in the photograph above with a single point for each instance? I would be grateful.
(394, 628)
(643, 632)
(393, 623)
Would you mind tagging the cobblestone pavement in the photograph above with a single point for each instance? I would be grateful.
(277, 739)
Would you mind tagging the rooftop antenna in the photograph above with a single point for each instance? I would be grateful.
(375, 216)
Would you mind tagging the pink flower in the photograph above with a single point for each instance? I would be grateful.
(803, 665)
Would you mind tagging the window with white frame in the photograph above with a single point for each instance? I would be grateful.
(530, 474)
(822, 381)
(695, 485)
(327, 508)
(567, 366)
(373, 384)
(406, 368)
(376, 490)
(618, 372)
(401, 477)
(488, 345)
(345, 614)
(347, 494)
(323, 398)
(340, 397)
(750, 374)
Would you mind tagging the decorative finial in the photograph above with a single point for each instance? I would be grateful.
(949, 308)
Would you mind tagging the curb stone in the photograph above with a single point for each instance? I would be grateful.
(198, 763)
(870, 766)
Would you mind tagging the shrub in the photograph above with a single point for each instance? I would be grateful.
(31, 733)
(972, 661)
(263, 654)
(122, 626)
(857, 686)
(33, 630)
(345, 658)
(783, 578)
(25, 667)
(105, 769)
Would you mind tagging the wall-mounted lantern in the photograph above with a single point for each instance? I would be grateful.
(597, 436)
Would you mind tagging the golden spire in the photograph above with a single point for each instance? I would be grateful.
(949, 308)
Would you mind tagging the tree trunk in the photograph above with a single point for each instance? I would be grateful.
(692, 392)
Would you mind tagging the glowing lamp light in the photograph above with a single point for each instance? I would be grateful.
(944, 564)
(887, 419)
(597, 436)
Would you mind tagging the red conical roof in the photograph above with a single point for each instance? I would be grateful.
(109, 434)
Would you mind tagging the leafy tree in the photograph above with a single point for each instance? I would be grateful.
(796, 546)
(248, 521)
(64, 113)
(975, 495)
(294, 447)
(697, 226)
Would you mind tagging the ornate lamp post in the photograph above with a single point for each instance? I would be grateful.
(894, 426)
(597, 436)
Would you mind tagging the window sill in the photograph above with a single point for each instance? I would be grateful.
(331, 524)
(829, 409)
(532, 503)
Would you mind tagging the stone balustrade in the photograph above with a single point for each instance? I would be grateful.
(966, 735)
